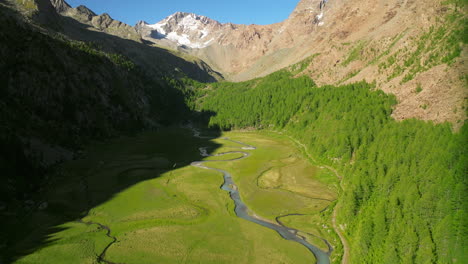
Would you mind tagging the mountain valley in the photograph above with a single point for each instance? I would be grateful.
(335, 136)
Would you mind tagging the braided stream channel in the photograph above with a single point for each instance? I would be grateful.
(241, 208)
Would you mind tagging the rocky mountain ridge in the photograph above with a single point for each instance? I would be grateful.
(339, 42)
(102, 22)
(343, 42)
(65, 83)
(232, 48)
(81, 23)
(183, 29)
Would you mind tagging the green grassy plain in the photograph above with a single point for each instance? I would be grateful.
(161, 210)
(278, 180)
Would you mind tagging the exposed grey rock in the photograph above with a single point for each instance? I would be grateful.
(142, 26)
(60, 5)
(85, 12)
(103, 21)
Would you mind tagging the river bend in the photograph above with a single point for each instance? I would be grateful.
(241, 208)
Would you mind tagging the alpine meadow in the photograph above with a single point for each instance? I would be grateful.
(337, 135)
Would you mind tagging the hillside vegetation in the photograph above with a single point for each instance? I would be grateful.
(404, 182)
(57, 94)
(402, 195)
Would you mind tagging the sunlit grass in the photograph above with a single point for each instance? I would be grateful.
(175, 213)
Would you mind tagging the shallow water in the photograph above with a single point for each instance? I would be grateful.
(241, 208)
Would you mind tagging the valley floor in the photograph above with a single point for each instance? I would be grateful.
(143, 192)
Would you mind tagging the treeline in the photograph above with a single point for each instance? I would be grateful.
(269, 101)
(405, 182)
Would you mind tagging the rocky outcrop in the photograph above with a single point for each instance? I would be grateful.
(83, 12)
(41, 11)
(103, 22)
(60, 5)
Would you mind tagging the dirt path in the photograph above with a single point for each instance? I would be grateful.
(344, 242)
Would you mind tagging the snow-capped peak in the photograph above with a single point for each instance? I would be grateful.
(185, 29)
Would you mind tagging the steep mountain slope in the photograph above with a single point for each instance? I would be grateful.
(58, 94)
(101, 22)
(132, 84)
(83, 24)
(229, 48)
(70, 78)
(183, 29)
(403, 183)
(413, 49)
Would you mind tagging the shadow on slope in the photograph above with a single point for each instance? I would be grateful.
(107, 169)
(157, 61)
(55, 96)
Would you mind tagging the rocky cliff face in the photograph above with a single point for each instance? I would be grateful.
(351, 41)
(60, 5)
(103, 22)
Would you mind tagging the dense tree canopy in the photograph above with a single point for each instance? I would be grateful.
(405, 182)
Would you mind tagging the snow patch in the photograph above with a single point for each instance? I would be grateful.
(190, 26)
(319, 16)
(180, 39)
(190, 22)
(159, 28)
(204, 33)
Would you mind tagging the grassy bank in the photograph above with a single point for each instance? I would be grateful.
(163, 211)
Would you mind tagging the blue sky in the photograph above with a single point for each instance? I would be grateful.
(260, 12)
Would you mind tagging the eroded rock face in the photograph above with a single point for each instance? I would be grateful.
(103, 22)
(84, 12)
(60, 5)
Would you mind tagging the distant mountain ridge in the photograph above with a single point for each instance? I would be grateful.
(70, 76)
(349, 41)
(339, 42)
(67, 80)
(103, 22)
(232, 48)
(184, 29)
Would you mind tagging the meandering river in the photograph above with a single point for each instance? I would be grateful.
(241, 208)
